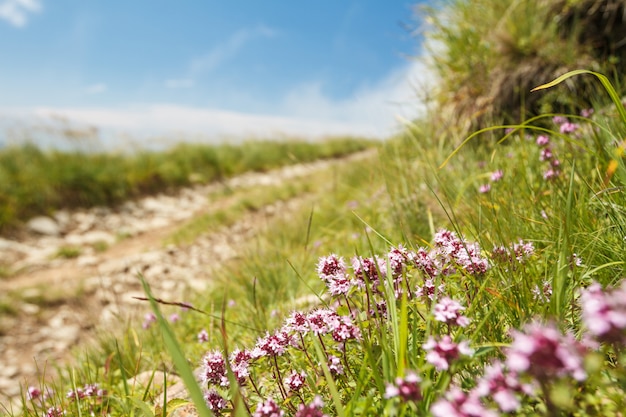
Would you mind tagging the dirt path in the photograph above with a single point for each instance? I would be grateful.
(54, 304)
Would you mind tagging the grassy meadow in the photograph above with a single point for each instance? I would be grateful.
(473, 267)
(34, 181)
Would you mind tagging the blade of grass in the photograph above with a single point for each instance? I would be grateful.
(180, 362)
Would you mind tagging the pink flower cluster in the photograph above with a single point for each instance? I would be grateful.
(519, 253)
(441, 352)
(604, 313)
(406, 388)
(546, 155)
(495, 176)
(89, 390)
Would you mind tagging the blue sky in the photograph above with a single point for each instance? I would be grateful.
(228, 68)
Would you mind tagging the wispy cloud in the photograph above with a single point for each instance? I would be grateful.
(177, 83)
(16, 12)
(374, 111)
(97, 88)
(224, 51)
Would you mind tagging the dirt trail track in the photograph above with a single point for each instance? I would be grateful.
(57, 303)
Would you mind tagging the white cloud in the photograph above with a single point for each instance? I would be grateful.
(16, 12)
(176, 83)
(96, 88)
(227, 49)
(372, 111)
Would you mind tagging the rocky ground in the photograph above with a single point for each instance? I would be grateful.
(51, 303)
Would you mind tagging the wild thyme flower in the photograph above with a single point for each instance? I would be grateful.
(215, 401)
(520, 252)
(148, 319)
(33, 393)
(240, 364)
(331, 266)
(406, 388)
(503, 386)
(587, 112)
(484, 188)
(458, 404)
(546, 154)
(314, 409)
(569, 127)
(398, 258)
(604, 312)
(295, 381)
(448, 311)
(543, 140)
(544, 293)
(54, 412)
(268, 408)
(425, 262)
(322, 321)
(345, 330)
(551, 174)
(429, 290)
(497, 175)
(441, 352)
(543, 352)
(203, 336)
(297, 322)
(214, 369)
(369, 270)
(334, 365)
(272, 345)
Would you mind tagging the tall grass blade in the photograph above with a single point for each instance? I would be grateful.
(178, 357)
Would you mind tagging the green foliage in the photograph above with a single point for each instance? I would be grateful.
(34, 181)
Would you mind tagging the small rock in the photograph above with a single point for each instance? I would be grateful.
(44, 226)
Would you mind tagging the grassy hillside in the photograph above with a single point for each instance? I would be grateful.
(35, 182)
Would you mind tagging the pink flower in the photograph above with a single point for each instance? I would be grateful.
(544, 352)
(497, 175)
(568, 127)
(295, 381)
(544, 293)
(429, 290)
(459, 404)
(240, 363)
(149, 318)
(214, 369)
(586, 112)
(559, 120)
(502, 386)
(604, 312)
(268, 408)
(542, 141)
(443, 351)
(449, 311)
(331, 266)
(484, 188)
(334, 365)
(314, 409)
(33, 393)
(406, 388)
(215, 401)
(203, 336)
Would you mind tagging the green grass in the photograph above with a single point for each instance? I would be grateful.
(34, 181)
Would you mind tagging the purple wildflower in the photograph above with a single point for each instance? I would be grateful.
(174, 317)
(331, 266)
(268, 408)
(429, 290)
(54, 412)
(497, 175)
(406, 388)
(443, 351)
(148, 319)
(214, 369)
(215, 401)
(322, 321)
(295, 381)
(568, 127)
(314, 409)
(297, 322)
(240, 363)
(459, 404)
(604, 312)
(586, 112)
(33, 393)
(484, 188)
(551, 174)
(335, 366)
(203, 336)
(544, 293)
(502, 386)
(543, 141)
(544, 352)
(559, 120)
(448, 311)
